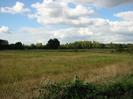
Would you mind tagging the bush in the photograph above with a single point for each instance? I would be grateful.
(78, 89)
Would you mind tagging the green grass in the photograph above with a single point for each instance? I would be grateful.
(20, 71)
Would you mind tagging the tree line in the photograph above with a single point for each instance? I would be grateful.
(55, 44)
(51, 44)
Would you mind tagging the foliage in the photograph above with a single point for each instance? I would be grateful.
(76, 89)
(18, 45)
(53, 44)
(120, 48)
(79, 89)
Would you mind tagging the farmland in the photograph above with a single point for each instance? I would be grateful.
(21, 71)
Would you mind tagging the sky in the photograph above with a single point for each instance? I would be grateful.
(37, 21)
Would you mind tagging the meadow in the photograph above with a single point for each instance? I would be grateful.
(21, 71)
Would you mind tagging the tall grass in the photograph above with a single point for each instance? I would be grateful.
(20, 71)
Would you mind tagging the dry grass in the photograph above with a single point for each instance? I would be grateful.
(20, 71)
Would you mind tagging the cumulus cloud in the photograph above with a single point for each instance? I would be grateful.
(125, 25)
(40, 35)
(111, 3)
(64, 35)
(4, 29)
(100, 30)
(52, 12)
(102, 3)
(128, 15)
(122, 26)
(19, 7)
(72, 32)
(75, 34)
(80, 23)
(68, 24)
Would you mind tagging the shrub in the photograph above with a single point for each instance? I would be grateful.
(78, 89)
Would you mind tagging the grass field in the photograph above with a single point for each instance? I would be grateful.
(20, 71)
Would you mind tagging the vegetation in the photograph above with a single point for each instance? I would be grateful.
(103, 74)
(23, 70)
(79, 89)
(55, 44)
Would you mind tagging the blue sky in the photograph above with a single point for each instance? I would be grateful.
(36, 21)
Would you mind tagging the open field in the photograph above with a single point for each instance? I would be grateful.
(20, 71)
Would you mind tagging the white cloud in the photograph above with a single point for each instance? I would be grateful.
(102, 3)
(125, 25)
(128, 15)
(72, 32)
(19, 7)
(59, 13)
(99, 29)
(4, 29)
(43, 35)
(53, 12)
(78, 22)
(34, 35)
(78, 11)
(81, 24)
(112, 3)
(122, 26)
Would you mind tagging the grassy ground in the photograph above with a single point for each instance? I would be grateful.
(20, 71)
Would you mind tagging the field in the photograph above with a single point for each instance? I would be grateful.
(21, 71)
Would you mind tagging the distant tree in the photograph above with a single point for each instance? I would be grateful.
(130, 48)
(119, 48)
(111, 45)
(12, 46)
(53, 43)
(101, 45)
(82, 45)
(95, 44)
(77, 45)
(18, 45)
(39, 45)
(32, 46)
(86, 44)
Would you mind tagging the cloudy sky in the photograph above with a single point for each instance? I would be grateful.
(32, 21)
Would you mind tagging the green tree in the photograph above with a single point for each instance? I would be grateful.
(130, 48)
(53, 43)
(19, 45)
(39, 45)
(120, 48)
